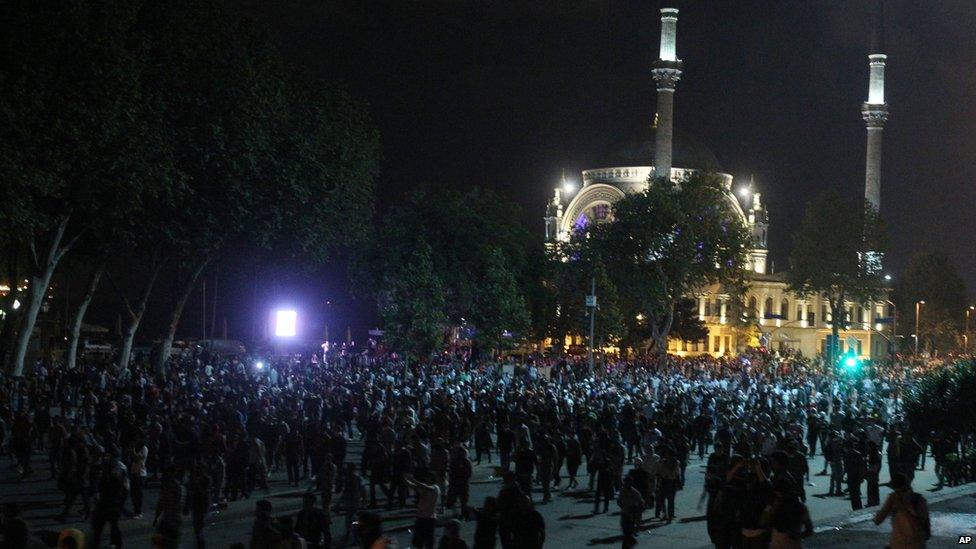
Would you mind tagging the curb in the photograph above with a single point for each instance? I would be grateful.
(838, 522)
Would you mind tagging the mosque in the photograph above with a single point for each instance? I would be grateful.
(783, 321)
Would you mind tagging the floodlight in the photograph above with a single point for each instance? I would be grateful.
(286, 323)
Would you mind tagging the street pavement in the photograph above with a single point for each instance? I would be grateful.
(569, 517)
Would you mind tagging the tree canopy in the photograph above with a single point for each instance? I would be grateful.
(173, 127)
(665, 244)
(831, 252)
(933, 278)
(478, 253)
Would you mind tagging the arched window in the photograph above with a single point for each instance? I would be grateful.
(768, 307)
(784, 309)
(752, 307)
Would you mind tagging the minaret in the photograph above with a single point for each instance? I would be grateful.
(875, 112)
(554, 215)
(759, 226)
(667, 72)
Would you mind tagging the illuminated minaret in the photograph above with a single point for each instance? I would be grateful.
(875, 112)
(667, 72)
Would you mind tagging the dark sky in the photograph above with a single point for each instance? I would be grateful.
(507, 94)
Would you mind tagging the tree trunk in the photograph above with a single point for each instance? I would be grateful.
(135, 315)
(167, 343)
(74, 335)
(39, 281)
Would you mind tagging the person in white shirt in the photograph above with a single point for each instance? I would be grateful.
(428, 495)
(138, 453)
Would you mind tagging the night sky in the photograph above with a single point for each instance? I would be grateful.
(507, 94)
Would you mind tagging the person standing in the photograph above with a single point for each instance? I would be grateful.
(547, 464)
(835, 453)
(294, 452)
(198, 500)
(854, 465)
(482, 441)
(631, 508)
(873, 471)
(669, 482)
(353, 495)
(910, 525)
(460, 479)
(574, 456)
(138, 453)
(787, 517)
(168, 520)
(525, 463)
(113, 489)
(428, 496)
(312, 523)
(505, 440)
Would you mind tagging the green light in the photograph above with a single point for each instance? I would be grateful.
(850, 362)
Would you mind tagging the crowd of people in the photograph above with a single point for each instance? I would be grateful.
(211, 429)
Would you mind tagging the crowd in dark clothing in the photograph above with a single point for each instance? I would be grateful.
(212, 429)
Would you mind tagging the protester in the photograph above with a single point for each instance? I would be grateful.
(215, 428)
(910, 526)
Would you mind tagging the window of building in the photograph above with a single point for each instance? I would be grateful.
(728, 344)
(708, 307)
(716, 343)
(799, 312)
(752, 312)
(768, 307)
(784, 309)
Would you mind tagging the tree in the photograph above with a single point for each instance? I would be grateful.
(74, 133)
(932, 277)
(412, 305)
(566, 283)
(268, 157)
(665, 244)
(96, 270)
(829, 255)
(942, 399)
(500, 315)
(477, 244)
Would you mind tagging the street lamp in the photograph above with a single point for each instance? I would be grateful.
(918, 312)
(965, 335)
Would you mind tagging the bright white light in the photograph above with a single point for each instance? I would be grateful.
(744, 192)
(16, 304)
(568, 187)
(888, 277)
(877, 327)
(259, 365)
(286, 323)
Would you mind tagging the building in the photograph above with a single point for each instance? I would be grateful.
(782, 319)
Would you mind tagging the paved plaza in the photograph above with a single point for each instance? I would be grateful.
(570, 521)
